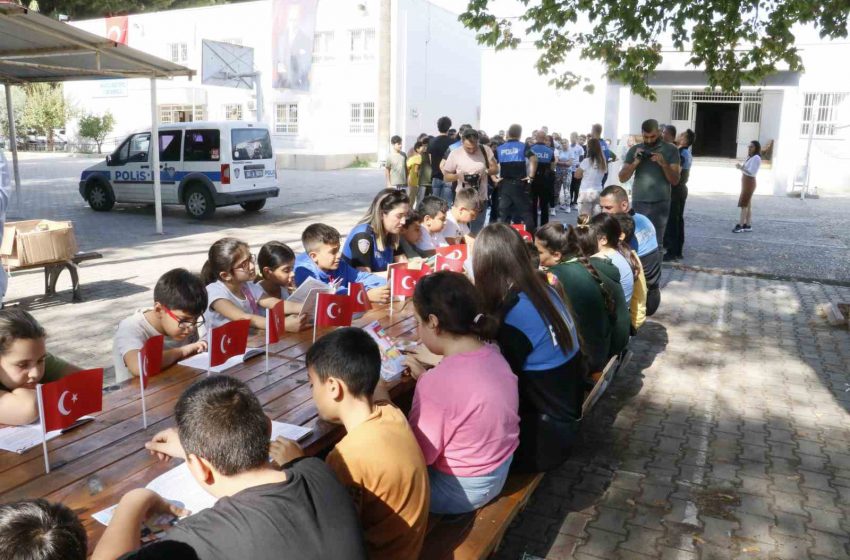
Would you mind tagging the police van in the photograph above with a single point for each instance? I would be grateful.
(202, 165)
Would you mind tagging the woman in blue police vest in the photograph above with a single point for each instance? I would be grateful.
(371, 245)
(537, 336)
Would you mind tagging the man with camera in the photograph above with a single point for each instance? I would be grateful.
(655, 165)
(470, 167)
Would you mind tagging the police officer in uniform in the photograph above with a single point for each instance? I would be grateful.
(514, 199)
(543, 182)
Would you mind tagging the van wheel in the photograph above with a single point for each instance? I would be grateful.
(199, 202)
(253, 205)
(100, 196)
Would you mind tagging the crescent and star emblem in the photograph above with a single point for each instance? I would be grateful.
(407, 285)
(225, 341)
(330, 311)
(64, 411)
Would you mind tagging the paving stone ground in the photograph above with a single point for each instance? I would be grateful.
(728, 436)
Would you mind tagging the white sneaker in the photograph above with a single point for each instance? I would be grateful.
(567, 210)
(552, 212)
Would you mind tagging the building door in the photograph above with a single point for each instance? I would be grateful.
(716, 129)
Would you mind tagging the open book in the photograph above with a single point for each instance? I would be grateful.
(18, 439)
(202, 360)
(392, 360)
(178, 487)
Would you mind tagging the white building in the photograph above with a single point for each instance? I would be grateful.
(331, 115)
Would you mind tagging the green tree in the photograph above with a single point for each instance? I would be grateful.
(18, 102)
(81, 9)
(45, 110)
(735, 43)
(97, 128)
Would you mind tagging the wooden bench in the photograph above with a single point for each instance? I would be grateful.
(477, 535)
(52, 270)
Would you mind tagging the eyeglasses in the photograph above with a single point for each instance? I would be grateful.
(246, 266)
(183, 323)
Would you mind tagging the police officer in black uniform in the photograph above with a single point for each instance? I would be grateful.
(543, 180)
(514, 198)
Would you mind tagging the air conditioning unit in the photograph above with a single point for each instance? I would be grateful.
(252, 105)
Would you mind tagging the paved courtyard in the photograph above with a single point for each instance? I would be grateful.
(728, 436)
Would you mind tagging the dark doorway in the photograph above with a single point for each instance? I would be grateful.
(716, 130)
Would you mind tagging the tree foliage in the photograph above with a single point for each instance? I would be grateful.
(97, 127)
(736, 43)
(82, 9)
(18, 102)
(45, 110)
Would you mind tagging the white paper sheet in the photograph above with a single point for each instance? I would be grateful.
(18, 439)
(301, 294)
(289, 431)
(202, 360)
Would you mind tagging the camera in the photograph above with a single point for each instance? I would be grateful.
(644, 154)
(472, 180)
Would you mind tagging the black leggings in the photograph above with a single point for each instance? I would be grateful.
(575, 186)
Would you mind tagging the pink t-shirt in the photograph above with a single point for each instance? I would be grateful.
(464, 413)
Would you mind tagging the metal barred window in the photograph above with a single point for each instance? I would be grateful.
(286, 121)
(233, 112)
(361, 44)
(827, 111)
(362, 118)
(181, 113)
(323, 46)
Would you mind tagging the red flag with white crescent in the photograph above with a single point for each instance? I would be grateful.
(333, 310)
(66, 400)
(525, 234)
(444, 263)
(150, 359)
(275, 323)
(404, 280)
(359, 298)
(518, 227)
(116, 29)
(455, 252)
(228, 340)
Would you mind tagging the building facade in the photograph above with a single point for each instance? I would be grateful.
(319, 73)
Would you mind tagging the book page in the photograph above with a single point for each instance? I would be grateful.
(289, 431)
(202, 360)
(300, 295)
(18, 439)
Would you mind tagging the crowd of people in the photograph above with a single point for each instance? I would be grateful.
(522, 335)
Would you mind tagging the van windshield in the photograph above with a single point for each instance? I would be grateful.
(251, 143)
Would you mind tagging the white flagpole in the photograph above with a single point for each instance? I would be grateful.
(268, 324)
(315, 318)
(392, 290)
(209, 351)
(142, 389)
(43, 428)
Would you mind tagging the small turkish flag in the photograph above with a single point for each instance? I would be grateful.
(228, 340)
(66, 400)
(404, 280)
(525, 234)
(150, 359)
(456, 252)
(275, 323)
(359, 299)
(518, 227)
(333, 310)
(444, 263)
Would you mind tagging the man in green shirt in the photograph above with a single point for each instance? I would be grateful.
(655, 165)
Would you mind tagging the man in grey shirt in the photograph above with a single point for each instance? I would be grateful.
(655, 165)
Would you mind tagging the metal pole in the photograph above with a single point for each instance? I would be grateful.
(257, 77)
(812, 124)
(384, 77)
(13, 139)
(154, 150)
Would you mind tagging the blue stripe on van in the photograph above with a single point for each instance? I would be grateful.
(86, 174)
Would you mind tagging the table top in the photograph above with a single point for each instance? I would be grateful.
(93, 465)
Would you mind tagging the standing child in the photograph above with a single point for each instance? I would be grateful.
(322, 260)
(24, 363)
(179, 302)
(396, 167)
(433, 211)
(464, 411)
(277, 271)
(40, 530)
(233, 295)
(378, 460)
(418, 171)
(411, 235)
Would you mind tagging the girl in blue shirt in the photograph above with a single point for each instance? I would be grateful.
(537, 336)
(372, 244)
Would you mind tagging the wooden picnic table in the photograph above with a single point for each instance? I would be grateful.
(93, 465)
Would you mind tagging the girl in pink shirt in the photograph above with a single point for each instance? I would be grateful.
(464, 412)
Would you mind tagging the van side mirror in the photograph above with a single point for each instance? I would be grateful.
(109, 159)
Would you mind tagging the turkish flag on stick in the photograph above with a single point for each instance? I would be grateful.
(445, 263)
(359, 299)
(228, 340)
(518, 227)
(63, 402)
(332, 310)
(455, 252)
(150, 364)
(404, 280)
(275, 327)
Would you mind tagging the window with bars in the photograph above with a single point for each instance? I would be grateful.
(323, 46)
(361, 44)
(286, 121)
(233, 112)
(181, 113)
(362, 118)
(178, 52)
(826, 112)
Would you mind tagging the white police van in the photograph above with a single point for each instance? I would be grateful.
(202, 165)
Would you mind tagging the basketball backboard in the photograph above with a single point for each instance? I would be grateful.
(226, 64)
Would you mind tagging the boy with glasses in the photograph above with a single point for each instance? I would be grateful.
(180, 299)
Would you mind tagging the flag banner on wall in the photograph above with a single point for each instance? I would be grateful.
(293, 28)
(116, 29)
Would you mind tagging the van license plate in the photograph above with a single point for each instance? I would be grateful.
(253, 173)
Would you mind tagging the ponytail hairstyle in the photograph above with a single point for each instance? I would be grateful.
(222, 255)
(553, 236)
(627, 225)
(607, 228)
(454, 301)
(582, 244)
(273, 255)
(596, 155)
(15, 324)
(502, 267)
(384, 202)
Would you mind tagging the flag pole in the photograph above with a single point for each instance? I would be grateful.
(209, 351)
(315, 318)
(392, 289)
(268, 324)
(43, 428)
(142, 389)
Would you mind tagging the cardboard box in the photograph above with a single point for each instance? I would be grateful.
(34, 242)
